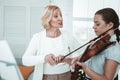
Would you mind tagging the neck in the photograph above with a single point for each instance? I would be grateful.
(111, 32)
(53, 33)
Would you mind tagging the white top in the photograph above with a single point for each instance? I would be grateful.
(56, 47)
(40, 46)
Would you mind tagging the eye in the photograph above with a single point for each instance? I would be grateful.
(97, 24)
(55, 16)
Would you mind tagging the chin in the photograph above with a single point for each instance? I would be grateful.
(60, 26)
(97, 34)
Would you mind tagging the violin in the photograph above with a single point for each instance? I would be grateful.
(90, 51)
(102, 42)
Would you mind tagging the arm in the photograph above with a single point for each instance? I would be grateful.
(30, 58)
(59, 59)
(109, 71)
(68, 60)
(110, 65)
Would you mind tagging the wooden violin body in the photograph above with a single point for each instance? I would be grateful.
(90, 51)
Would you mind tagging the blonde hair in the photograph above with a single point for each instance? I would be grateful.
(47, 15)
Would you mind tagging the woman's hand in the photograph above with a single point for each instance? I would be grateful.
(61, 58)
(50, 58)
(74, 61)
(82, 64)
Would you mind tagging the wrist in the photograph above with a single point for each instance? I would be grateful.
(84, 67)
(67, 60)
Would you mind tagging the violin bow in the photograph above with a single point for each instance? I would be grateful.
(86, 44)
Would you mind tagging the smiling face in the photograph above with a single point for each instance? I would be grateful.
(100, 26)
(56, 20)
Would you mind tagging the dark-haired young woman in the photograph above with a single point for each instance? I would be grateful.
(105, 65)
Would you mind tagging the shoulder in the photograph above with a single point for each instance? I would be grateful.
(114, 49)
(113, 52)
(67, 34)
(39, 34)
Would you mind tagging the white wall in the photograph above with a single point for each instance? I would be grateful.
(19, 20)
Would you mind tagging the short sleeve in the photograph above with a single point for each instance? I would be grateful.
(113, 53)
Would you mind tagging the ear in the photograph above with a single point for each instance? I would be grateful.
(110, 24)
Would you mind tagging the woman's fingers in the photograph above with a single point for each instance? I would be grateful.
(59, 59)
(50, 58)
(79, 63)
(74, 62)
(82, 64)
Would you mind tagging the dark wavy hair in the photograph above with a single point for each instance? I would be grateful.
(109, 15)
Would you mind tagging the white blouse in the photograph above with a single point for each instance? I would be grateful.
(40, 46)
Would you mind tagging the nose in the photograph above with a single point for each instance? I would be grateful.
(60, 18)
(94, 27)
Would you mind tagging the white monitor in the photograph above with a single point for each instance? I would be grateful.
(8, 65)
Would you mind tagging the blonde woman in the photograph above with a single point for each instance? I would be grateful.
(47, 47)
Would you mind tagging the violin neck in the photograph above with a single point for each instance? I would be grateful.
(77, 67)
